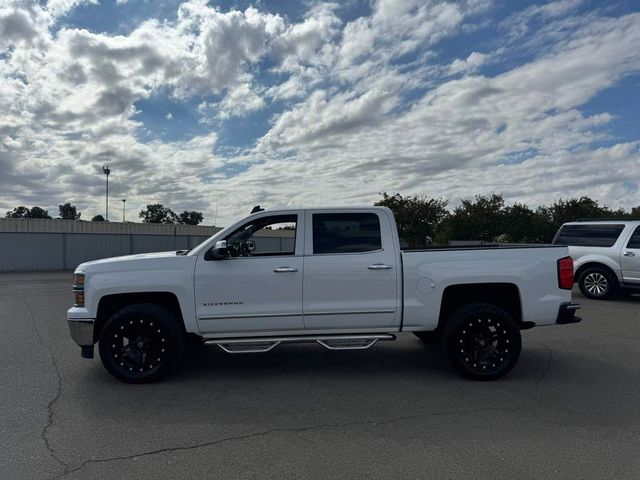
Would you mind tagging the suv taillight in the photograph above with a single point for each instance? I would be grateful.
(565, 273)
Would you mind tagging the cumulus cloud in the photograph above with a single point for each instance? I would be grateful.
(354, 106)
(469, 64)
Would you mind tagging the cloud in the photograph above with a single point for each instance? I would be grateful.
(355, 106)
(470, 64)
(239, 101)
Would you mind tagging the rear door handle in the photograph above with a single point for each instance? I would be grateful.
(380, 266)
(629, 254)
(285, 269)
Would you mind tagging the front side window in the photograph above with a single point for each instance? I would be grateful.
(634, 241)
(594, 235)
(346, 233)
(265, 236)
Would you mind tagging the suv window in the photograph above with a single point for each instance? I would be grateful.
(346, 232)
(634, 241)
(265, 236)
(594, 235)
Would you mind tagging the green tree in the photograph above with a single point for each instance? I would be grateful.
(158, 213)
(98, 218)
(561, 211)
(520, 224)
(417, 216)
(37, 212)
(635, 212)
(18, 212)
(190, 218)
(478, 219)
(68, 212)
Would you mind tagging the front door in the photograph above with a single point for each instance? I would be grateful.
(258, 288)
(350, 272)
(630, 258)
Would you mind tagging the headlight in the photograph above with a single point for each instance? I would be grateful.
(78, 281)
(78, 289)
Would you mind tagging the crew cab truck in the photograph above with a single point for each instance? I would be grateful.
(333, 276)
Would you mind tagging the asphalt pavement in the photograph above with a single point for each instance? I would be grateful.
(570, 408)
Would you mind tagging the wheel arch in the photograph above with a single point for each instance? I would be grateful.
(109, 304)
(595, 264)
(503, 295)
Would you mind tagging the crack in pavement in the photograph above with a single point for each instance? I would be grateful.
(264, 433)
(52, 402)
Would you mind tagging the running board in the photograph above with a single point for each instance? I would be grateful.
(331, 342)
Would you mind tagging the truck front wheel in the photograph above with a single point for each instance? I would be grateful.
(482, 341)
(141, 343)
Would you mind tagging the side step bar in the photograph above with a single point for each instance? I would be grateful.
(331, 342)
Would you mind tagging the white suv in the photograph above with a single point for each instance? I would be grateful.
(606, 255)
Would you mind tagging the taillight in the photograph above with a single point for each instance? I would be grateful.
(565, 273)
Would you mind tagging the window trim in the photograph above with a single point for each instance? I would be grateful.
(634, 232)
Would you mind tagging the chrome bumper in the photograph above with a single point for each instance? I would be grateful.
(81, 330)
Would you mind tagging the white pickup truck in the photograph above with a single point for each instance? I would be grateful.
(334, 276)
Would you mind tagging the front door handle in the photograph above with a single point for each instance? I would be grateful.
(380, 266)
(629, 254)
(285, 269)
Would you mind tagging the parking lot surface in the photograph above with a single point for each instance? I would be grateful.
(570, 408)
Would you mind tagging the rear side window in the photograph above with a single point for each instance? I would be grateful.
(594, 235)
(634, 241)
(346, 233)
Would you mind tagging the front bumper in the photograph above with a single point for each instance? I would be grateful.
(81, 330)
(567, 313)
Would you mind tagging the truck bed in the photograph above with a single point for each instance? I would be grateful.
(531, 269)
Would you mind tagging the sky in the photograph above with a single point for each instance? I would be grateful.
(222, 105)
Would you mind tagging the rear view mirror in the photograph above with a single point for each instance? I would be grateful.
(218, 252)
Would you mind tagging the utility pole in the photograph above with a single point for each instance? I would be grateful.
(107, 171)
(123, 202)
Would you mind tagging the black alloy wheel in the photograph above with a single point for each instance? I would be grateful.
(482, 341)
(141, 343)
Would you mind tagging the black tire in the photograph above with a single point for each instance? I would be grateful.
(141, 343)
(431, 338)
(597, 283)
(482, 341)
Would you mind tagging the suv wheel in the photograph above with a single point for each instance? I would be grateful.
(597, 283)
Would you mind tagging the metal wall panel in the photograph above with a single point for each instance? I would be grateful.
(31, 252)
(82, 247)
(152, 243)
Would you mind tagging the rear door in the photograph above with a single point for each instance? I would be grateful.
(350, 271)
(630, 258)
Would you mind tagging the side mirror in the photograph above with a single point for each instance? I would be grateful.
(251, 245)
(218, 252)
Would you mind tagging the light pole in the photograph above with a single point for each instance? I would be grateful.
(106, 171)
(124, 200)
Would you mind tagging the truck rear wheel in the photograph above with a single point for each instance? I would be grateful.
(482, 341)
(141, 343)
